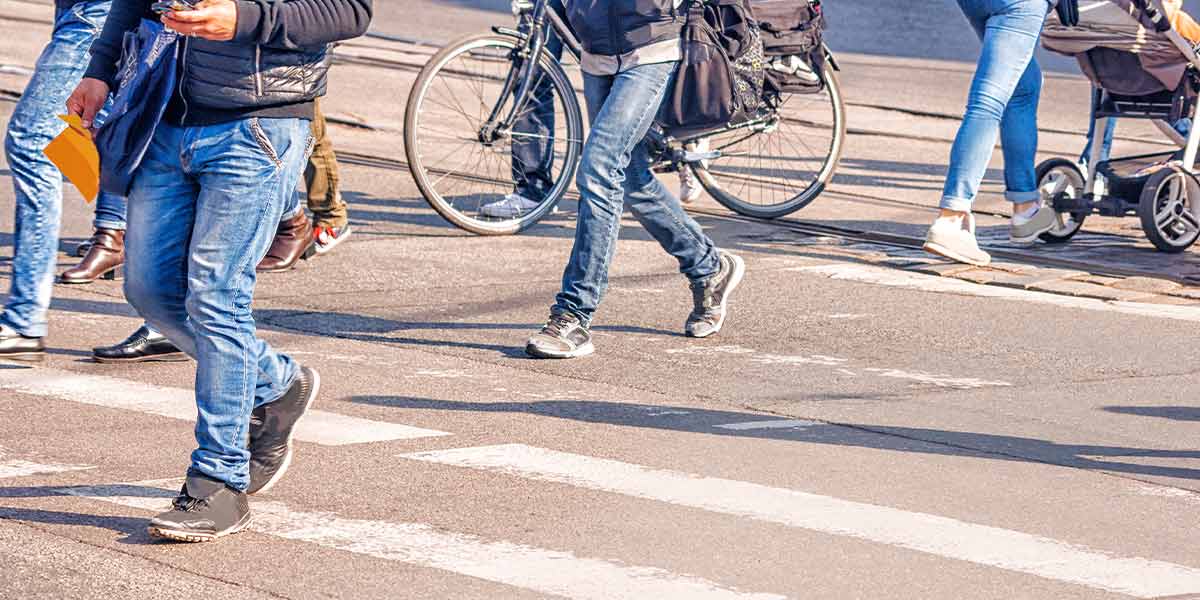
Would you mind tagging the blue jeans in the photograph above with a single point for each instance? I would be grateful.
(615, 169)
(1003, 99)
(203, 209)
(37, 182)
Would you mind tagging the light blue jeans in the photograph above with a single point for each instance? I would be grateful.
(203, 209)
(1003, 101)
(614, 170)
(36, 181)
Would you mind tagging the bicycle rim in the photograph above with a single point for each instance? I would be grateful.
(780, 167)
(460, 172)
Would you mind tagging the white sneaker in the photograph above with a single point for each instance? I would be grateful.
(954, 238)
(513, 205)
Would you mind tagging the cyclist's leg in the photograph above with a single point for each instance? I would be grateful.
(533, 148)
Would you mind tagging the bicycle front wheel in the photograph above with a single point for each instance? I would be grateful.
(779, 166)
(464, 167)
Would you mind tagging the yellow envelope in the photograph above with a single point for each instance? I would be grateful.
(74, 153)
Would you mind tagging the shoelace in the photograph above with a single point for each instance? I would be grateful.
(186, 503)
(557, 325)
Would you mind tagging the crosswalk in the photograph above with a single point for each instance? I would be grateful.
(558, 571)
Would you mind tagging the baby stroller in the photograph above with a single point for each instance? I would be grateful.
(1140, 68)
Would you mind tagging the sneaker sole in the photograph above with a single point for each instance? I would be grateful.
(24, 356)
(287, 458)
(192, 537)
(315, 250)
(739, 272)
(536, 352)
(940, 250)
(172, 357)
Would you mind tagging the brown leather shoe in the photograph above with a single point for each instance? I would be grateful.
(291, 240)
(104, 259)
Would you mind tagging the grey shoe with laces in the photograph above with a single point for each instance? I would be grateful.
(563, 336)
(710, 298)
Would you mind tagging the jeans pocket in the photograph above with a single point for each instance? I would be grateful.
(264, 142)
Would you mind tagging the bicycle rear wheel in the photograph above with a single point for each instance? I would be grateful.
(460, 167)
(780, 166)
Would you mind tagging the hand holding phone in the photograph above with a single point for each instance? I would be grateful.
(166, 6)
(214, 20)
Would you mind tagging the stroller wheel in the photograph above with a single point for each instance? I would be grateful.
(1168, 209)
(1061, 178)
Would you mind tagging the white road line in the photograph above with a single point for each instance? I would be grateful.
(13, 467)
(318, 426)
(947, 285)
(547, 571)
(776, 424)
(932, 534)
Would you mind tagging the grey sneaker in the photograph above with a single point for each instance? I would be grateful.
(204, 510)
(271, 427)
(954, 238)
(563, 336)
(1026, 231)
(710, 298)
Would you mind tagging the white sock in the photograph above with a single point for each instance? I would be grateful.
(1025, 215)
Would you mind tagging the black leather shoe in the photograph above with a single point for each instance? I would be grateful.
(15, 345)
(271, 427)
(142, 346)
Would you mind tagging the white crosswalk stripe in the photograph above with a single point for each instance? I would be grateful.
(941, 536)
(318, 426)
(15, 467)
(547, 571)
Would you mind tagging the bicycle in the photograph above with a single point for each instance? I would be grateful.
(472, 101)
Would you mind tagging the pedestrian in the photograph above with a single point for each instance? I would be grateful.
(628, 65)
(1003, 101)
(36, 181)
(204, 204)
(297, 237)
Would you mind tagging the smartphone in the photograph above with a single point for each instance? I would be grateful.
(166, 6)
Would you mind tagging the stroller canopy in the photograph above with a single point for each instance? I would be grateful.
(1118, 48)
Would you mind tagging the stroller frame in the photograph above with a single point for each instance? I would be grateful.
(1168, 200)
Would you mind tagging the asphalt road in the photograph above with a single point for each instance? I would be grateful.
(861, 429)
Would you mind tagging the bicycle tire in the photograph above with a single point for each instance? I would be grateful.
(563, 91)
(802, 198)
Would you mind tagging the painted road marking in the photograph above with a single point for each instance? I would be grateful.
(319, 427)
(947, 285)
(547, 571)
(776, 424)
(13, 467)
(932, 534)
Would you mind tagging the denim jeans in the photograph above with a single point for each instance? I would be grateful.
(1003, 99)
(37, 182)
(533, 151)
(615, 169)
(203, 209)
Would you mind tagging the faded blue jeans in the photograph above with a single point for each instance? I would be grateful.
(203, 209)
(37, 182)
(614, 170)
(1003, 101)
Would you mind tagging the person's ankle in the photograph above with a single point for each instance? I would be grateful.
(946, 213)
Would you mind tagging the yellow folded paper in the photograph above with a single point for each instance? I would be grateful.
(74, 153)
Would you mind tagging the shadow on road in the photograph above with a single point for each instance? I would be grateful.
(878, 437)
(1174, 413)
(134, 528)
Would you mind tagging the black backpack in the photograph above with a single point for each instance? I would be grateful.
(792, 28)
(720, 77)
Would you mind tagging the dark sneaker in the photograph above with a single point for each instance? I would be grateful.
(271, 427)
(15, 345)
(204, 510)
(563, 336)
(710, 298)
(326, 238)
(145, 345)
